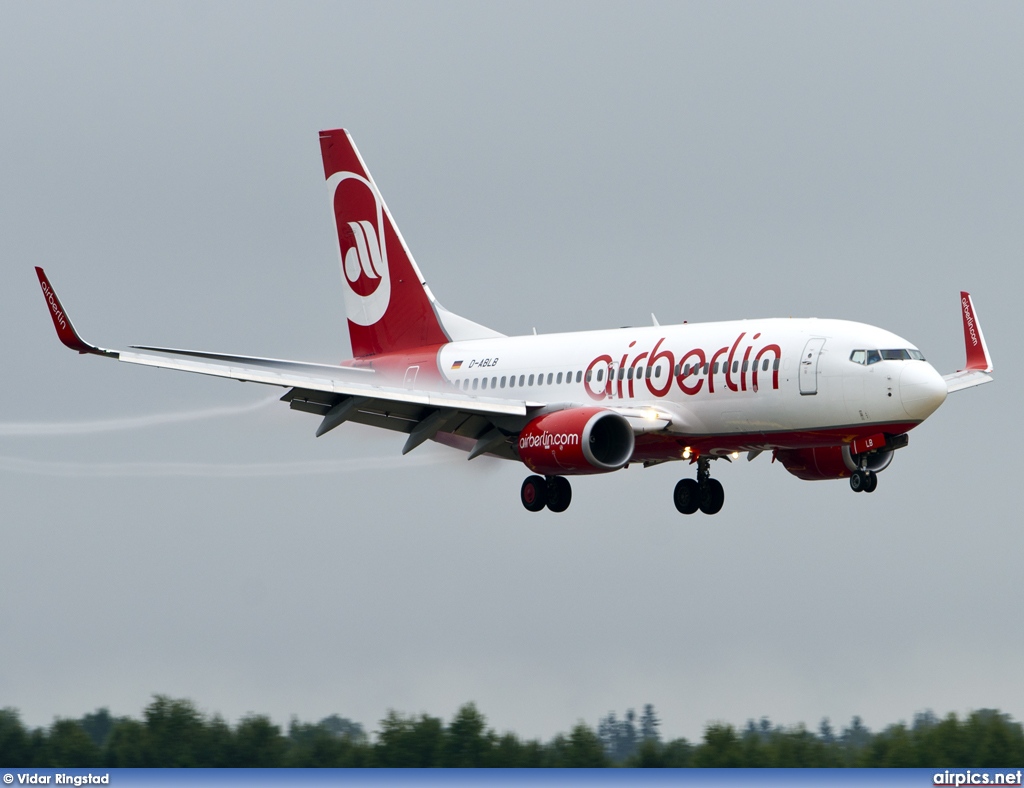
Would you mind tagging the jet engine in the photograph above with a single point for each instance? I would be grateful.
(576, 441)
(831, 462)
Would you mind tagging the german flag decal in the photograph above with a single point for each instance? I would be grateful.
(457, 365)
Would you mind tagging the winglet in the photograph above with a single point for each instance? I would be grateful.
(65, 330)
(974, 341)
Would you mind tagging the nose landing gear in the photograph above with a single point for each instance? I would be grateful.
(863, 481)
(702, 493)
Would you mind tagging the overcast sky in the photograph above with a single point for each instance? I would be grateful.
(552, 165)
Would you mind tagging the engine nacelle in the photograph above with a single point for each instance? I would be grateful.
(576, 441)
(830, 462)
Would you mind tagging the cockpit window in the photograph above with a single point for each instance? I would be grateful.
(874, 356)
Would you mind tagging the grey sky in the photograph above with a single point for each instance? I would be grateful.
(563, 166)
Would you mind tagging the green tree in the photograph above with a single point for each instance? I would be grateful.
(649, 724)
(409, 742)
(467, 742)
(175, 734)
(259, 743)
(98, 725)
(69, 746)
(581, 748)
(15, 749)
(720, 748)
(126, 745)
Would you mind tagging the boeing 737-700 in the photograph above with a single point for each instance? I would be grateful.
(829, 399)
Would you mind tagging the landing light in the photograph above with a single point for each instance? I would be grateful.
(686, 453)
(735, 455)
(651, 415)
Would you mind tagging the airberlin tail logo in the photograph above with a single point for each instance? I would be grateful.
(362, 246)
(363, 261)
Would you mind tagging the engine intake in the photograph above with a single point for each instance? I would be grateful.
(830, 462)
(576, 441)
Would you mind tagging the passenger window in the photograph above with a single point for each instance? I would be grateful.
(622, 372)
(530, 381)
(522, 381)
(559, 378)
(511, 382)
(764, 366)
(551, 376)
(775, 365)
(735, 366)
(677, 370)
(706, 368)
(746, 364)
(716, 367)
(657, 371)
(579, 376)
(600, 375)
(483, 383)
(494, 382)
(476, 382)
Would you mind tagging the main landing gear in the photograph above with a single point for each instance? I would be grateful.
(554, 492)
(702, 493)
(863, 481)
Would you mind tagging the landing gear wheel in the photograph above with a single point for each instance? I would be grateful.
(713, 497)
(859, 481)
(872, 482)
(559, 493)
(534, 493)
(686, 496)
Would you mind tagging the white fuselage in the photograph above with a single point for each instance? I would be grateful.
(766, 377)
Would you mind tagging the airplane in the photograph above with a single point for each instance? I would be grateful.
(829, 399)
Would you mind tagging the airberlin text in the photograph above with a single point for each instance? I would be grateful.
(742, 364)
(51, 299)
(548, 439)
(969, 321)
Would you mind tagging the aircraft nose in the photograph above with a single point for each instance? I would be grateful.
(922, 389)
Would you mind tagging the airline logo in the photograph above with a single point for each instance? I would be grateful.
(972, 333)
(548, 440)
(362, 245)
(55, 307)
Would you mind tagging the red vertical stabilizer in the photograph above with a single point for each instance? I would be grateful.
(388, 306)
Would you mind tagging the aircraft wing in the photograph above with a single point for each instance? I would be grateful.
(337, 393)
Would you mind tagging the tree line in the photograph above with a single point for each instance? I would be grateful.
(173, 732)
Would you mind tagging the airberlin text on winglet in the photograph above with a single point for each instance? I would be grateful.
(969, 320)
(694, 365)
(51, 299)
